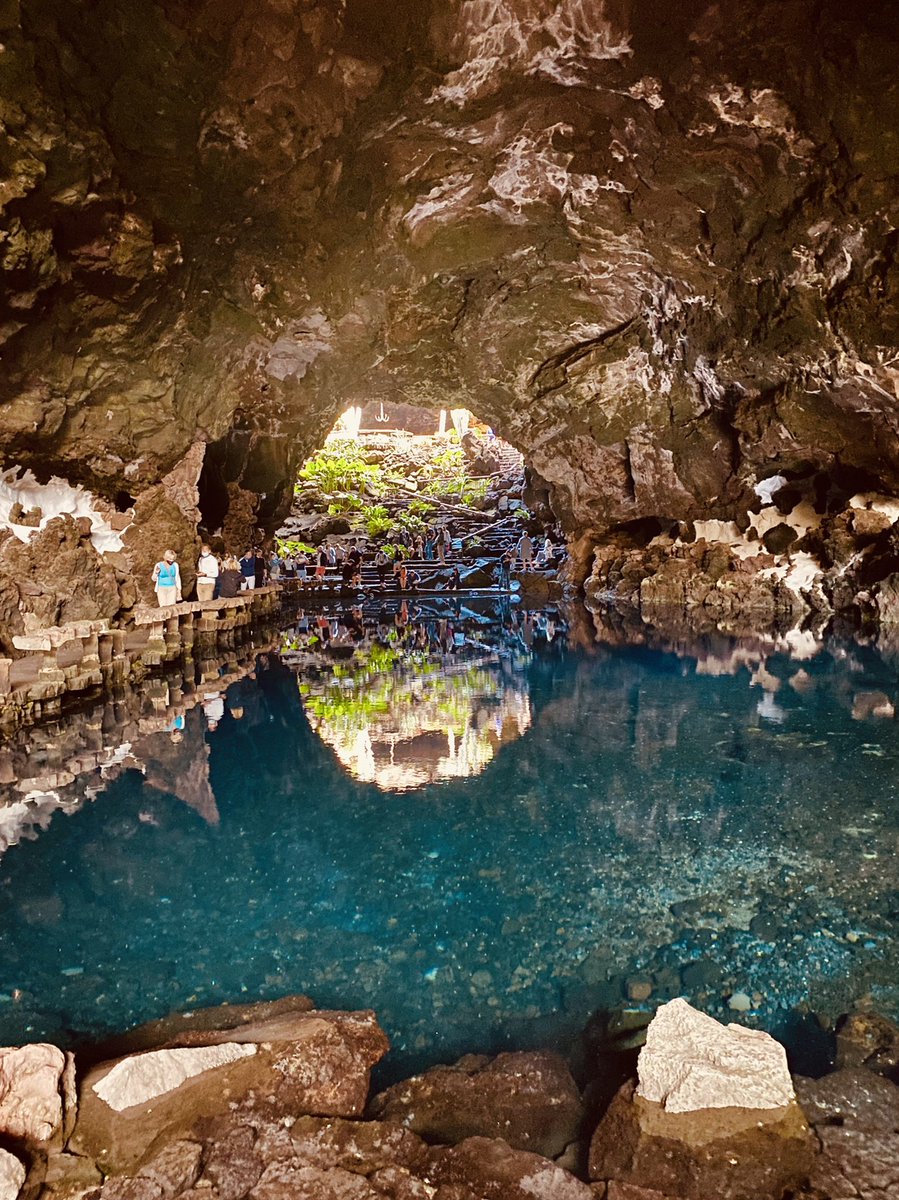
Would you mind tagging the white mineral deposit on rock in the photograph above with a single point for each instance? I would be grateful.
(12, 1176)
(691, 1061)
(139, 1078)
(30, 1104)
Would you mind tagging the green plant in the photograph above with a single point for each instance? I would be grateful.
(377, 521)
(421, 508)
(289, 546)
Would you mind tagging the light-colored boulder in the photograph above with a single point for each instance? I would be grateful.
(30, 1100)
(142, 1077)
(12, 1176)
(692, 1062)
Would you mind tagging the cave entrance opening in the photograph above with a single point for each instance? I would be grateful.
(434, 488)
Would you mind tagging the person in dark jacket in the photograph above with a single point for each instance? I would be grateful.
(248, 570)
(230, 578)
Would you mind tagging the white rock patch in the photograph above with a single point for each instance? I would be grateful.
(141, 1077)
(691, 1062)
(53, 499)
(12, 1175)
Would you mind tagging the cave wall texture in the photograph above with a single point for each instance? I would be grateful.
(654, 244)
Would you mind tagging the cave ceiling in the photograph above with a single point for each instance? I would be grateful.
(653, 243)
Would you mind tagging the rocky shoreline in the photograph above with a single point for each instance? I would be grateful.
(271, 1101)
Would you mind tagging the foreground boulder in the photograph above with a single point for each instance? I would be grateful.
(30, 1097)
(690, 1061)
(529, 1099)
(12, 1175)
(713, 1116)
(855, 1116)
(285, 1066)
(490, 1169)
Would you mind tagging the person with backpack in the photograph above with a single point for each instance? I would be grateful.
(167, 580)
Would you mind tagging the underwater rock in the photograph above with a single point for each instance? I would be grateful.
(855, 1117)
(691, 1062)
(867, 1039)
(528, 1098)
(740, 1153)
(12, 1175)
(30, 1098)
(490, 1168)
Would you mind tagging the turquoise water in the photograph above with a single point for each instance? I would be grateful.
(486, 830)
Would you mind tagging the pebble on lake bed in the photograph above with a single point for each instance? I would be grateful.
(739, 1002)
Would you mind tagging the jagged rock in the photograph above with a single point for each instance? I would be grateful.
(12, 1175)
(651, 244)
(360, 1146)
(780, 538)
(303, 1062)
(740, 1153)
(54, 578)
(30, 1098)
(295, 1180)
(233, 1164)
(867, 1039)
(175, 1169)
(692, 1062)
(528, 1098)
(855, 1116)
(491, 1170)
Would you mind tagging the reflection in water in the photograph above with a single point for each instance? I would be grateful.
(704, 819)
(421, 698)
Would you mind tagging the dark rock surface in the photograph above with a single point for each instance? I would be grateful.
(855, 1117)
(653, 245)
(527, 1098)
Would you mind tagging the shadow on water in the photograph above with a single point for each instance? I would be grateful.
(485, 833)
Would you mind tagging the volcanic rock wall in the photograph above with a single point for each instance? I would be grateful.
(654, 245)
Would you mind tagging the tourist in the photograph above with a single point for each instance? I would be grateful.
(418, 546)
(207, 573)
(382, 562)
(429, 547)
(248, 570)
(167, 580)
(412, 580)
(505, 570)
(331, 552)
(525, 549)
(261, 567)
(455, 580)
(321, 564)
(230, 578)
(302, 562)
(274, 565)
(290, 566)
(339, 554)
(547, 555)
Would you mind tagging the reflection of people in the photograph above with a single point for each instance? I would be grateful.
(213, 708)
(167, 580)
